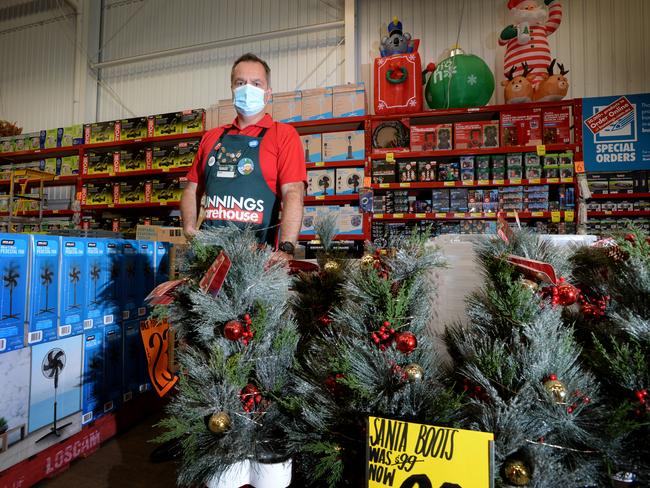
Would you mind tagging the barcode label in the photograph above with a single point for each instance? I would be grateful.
(125, 315)
(86, 417)
(35, 336)
(3, 344)
(108, 319)
(127, 396)
(108, 406)
(142, 311)
(88, 324)
(65, 330)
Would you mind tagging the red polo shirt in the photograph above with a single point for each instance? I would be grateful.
(282, 158)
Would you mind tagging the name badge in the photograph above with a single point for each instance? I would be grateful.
(225, 174)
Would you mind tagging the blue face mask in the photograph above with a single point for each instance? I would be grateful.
(249, 100)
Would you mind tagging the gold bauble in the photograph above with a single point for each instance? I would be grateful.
(557, 389)
(414, 372)
(331, 266)
(531, 285)
(516, 472)
(219, 423)
(368, 260)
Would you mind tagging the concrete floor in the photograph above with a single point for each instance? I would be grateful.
(123, 461)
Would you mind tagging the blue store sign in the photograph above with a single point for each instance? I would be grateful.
(616, 132)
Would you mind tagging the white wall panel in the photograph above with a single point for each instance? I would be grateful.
(604, 43)
(202, 78)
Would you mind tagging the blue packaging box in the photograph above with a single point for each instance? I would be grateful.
(146, 269)
(96, 281)
(44, 288)
(162, 262)
(116, 280)
(136, 376)
(92, 399)
(74, 273)
(130, 280)
(14, 265)
(113, 366)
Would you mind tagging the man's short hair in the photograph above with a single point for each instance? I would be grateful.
(250, 57)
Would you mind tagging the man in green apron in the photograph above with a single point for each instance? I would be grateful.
(250, 169)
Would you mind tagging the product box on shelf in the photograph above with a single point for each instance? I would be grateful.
(165, 124)
(483, 167)
(440, 200)
(556, 125)
(97, 132)
(598, 183)
(514, 166)
(131, 286)
(92, 397)
(32, 141)
(383, 171)
(137, 159)
(185, 153)
(565, 161)
(312, 144)
(70, 165)
(640, 181)
(73, 298)
(96, 281)
(101, 193)
(227, 112)
(166, 190)
(317, 104)
(72, 135)
(341, 146)
(427, 170)
(20, 143)
(44, 288)
(192, 121)
(407, 171)
(349, 100)
(101, 162)
(321, 182)
(50, 138)
(162, 262)
(134, 128)
(449, 171)
(309, 218)
(625, 206)
(349, 220)
(467, 168)
(431, 137)
(113, 361)
(135, 191)
(348, 180)
(145, 270)
(14, 263)
(135, 375)
(164, 156)
(287, 107)
(551, 166)
(621, 183)
(521, 127)
(51, 165)
(112, 292)
(7, 144)
(477, 134)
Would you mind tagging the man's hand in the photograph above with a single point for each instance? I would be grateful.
(279, 257)
(189, 231)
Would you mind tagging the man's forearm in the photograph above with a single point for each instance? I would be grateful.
(291, 215)
(189, 207)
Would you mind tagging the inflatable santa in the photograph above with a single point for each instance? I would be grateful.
(526, 40)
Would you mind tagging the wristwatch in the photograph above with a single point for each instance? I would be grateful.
(287, 247)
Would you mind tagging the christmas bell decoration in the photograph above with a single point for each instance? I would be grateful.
(219, 423)
(406, 342)
(461, 80)
(233, 330)
(556, 388)
(516, 472)
(414, 372)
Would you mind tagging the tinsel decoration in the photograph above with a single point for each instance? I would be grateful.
(516, 472)
(406, 342)
(331, 266)
(250, 397)
(219, 423)
(556, 388)
(414, 372)
(383, 337)
(233, 330)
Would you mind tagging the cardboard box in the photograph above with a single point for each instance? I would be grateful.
(20, 143)
(135, 374)
(72, 135)
(427, 170)
(431, 137)
(32, 141)
(449, 171)
(321, 182)
(342, 146)
(478, 134)
(44, 288)
(14, 263)
(96, 281)
(309, 217)
(134, 191)
(73, 300)
(101, 162)
(407, 171)
(165, 124)
(102, 132)
(7, 144)
(134, 128)
(145, 269)
(192, 121)
(162, 235)
(131, 286)
(50, 138)
(164, 156)
(317, 104)
(312, 145)
(112, 292)
(551, 166)
(556, 125)
(287, 107)
(349, 100)
(349, 221)
(227, 112)
(185, 153)
(101, 193)
(70, 165)
(348, 180)
(92, 397)
(135, 160)
(166, 190)
(383, 171)
(521, 127)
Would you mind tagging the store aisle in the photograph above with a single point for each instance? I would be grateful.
(122, 461)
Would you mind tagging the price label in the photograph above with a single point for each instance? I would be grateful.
(55, 211)
(459, 215)
(489, 215)
(537, 214)
(111, 205)
(608, 212)
(497, 182)
(420, 215)
(579, 166)
(165, 169)
(555, 216)
(541, 150)
(319, 163)
(552, 180)
(398, 216)
(384, 185)
(566, 180)
(515, 181)
(476, 214)
(379, 216)
(390, 157)
(405, 185)
(440, 215)
(483, 182)
(569, 216)
(320, 197)
(511, 214)
(535, 181)
(450, 183)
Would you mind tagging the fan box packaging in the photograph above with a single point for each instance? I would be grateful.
(111, 306)
(342, 146)
(135, 375)
(349, 221)
(556, 125)
(32, 141)
(131, 284)
(100, 162)
(348, 180)
(138, 159)
(145, 270)
(14, 264)
(72, 135)
(317, 104)
(92, 394)
(312, 146)
(44, 288)
(20, 143)
(287, 107)
(50, 138)
(309, 217)
(321, 182)
(97, 281)
(73, 299)
(478, 134)
(7, 144)
(98, 132)
(161, 260)
(383, 172)
(185, 153)
(432, 137)
(521, 127)
(113, 366)
(135, 128)
(349, 100)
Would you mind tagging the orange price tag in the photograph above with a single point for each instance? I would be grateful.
(320, 197)
(579, 166)
(155, 337)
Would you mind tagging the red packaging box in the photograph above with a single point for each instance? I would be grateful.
(521, 127)
(556, 123)
(472, 135)
(433, 137)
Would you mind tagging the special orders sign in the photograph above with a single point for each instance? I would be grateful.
(406, 454)
(616, 132)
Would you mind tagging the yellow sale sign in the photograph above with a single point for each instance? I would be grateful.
(410, 455)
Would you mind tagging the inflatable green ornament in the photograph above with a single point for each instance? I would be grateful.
(461, 80)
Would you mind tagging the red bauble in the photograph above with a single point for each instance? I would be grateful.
(406, 342)
(233, 330)
(567, 294)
